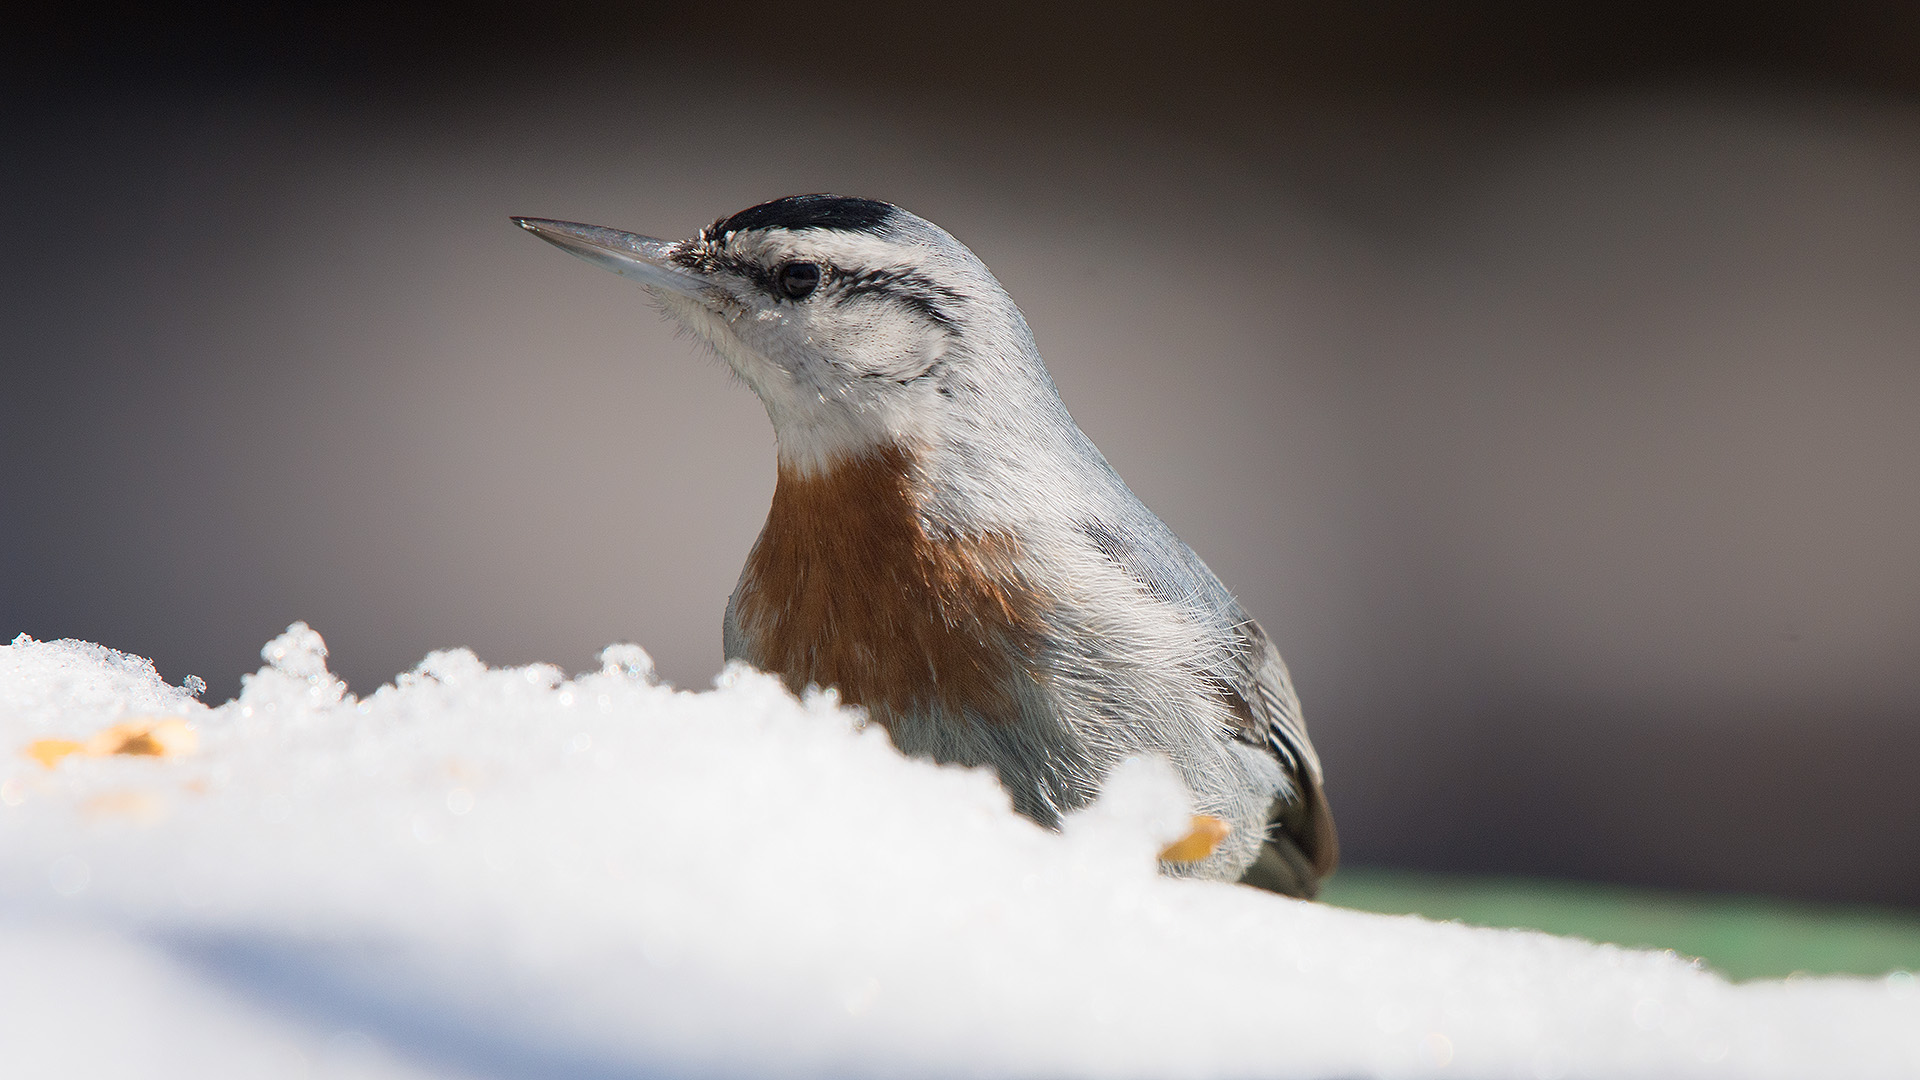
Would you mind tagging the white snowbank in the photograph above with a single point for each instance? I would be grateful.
(506, 873)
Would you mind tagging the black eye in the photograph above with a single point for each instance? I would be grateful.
(797, 280)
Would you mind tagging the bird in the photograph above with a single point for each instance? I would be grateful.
(947, 550)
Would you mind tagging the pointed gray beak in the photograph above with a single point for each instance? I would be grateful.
(641, 258)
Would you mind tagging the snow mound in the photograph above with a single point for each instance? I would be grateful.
(504, 872)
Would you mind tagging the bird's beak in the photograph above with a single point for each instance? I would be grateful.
(639, 257)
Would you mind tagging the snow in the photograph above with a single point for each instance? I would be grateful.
(504, 872)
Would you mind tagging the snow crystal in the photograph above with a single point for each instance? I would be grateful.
(506, 872)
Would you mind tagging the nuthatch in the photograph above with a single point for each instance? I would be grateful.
(949, 551)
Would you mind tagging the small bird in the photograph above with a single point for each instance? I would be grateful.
(949, 551)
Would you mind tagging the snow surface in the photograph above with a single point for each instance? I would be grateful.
(502, 872)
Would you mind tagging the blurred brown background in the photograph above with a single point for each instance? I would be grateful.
(1545, 377)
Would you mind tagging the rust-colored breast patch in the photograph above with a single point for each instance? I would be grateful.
(846, 588)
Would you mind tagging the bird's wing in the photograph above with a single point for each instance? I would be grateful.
(1251, 678)
(1259, 678)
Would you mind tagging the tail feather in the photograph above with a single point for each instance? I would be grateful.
(1301, 848)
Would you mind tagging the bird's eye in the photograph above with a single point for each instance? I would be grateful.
(797, 280)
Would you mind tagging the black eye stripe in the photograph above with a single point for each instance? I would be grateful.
(916, 291)
(931, 299)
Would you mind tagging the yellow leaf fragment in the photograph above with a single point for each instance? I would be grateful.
(143, 736)
(146, 736)
(1200, 841)
(48, 752)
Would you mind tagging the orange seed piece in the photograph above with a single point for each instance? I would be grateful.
(1201, 840)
